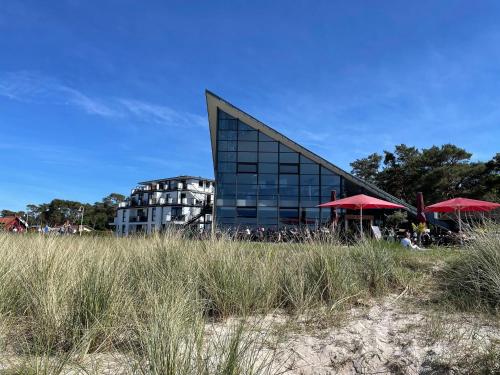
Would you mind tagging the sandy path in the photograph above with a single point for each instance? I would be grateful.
(386, 339)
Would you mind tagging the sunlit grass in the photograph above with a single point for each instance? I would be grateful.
(151, 298)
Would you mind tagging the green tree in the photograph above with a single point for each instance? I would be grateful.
(5, 213)
(98, 215)
(367, 168)
(438, 172)
(113, 199)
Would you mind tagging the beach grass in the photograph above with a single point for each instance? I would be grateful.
(151, 298)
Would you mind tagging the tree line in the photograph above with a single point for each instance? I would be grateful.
(438, 172)
(97, 216)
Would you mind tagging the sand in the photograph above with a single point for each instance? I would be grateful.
(392, 335)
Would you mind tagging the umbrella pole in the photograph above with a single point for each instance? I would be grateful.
(361, 221)
(460, 226)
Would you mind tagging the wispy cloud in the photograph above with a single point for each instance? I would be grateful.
(161, 114)
(32, 87)
(91, 105)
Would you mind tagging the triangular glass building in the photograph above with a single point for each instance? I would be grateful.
(264, 179)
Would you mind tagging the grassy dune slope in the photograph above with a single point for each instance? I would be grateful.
(150, 298)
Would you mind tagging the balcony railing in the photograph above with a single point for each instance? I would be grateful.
(138, 202)
(138, 219)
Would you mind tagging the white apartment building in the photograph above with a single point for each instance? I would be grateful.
(168, 202)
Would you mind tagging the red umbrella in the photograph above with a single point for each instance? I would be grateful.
(462, 204)
(360, 201)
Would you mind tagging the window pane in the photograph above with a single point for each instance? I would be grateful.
(268, 146)
(226, 178)
(226, 212)
(309, 191)
(289, 158)
(226, 167)
(268, 179)
(309, 179)
(305, 160)
(227, 156)
(227, 222)
(246, 212)
(268, 201)
(225, 202)
(309, 168)
(283, 148)
(247, 189)
(289, 168)
(289, 201)
(268, 157)
(226, 124)
(226, 191)
(243, 126)
(289, 212)
(228, 135)
(268, 168)
(247, 146)
(309, 201)
(227, 145)
(289, 216)
(247, 156)
(311, 213)
(289, 190)
(247, 179)
(265, 138)
(330, 180)
(326, 191)
(267, 212)
(268, 190)
(325, 171)
(289, 179)
(247, 167)
(249, 200)
(224, 115)
(247, 136)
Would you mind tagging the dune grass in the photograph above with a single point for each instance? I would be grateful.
(472, 280)
(151, 298)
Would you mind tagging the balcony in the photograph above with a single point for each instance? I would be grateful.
(138, 203)
(138, 219)
(179, 218)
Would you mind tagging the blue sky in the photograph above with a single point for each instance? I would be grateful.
(98, 95)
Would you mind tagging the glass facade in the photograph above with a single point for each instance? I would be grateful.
(261, 182)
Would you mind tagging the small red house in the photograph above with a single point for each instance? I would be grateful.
(12, 224)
